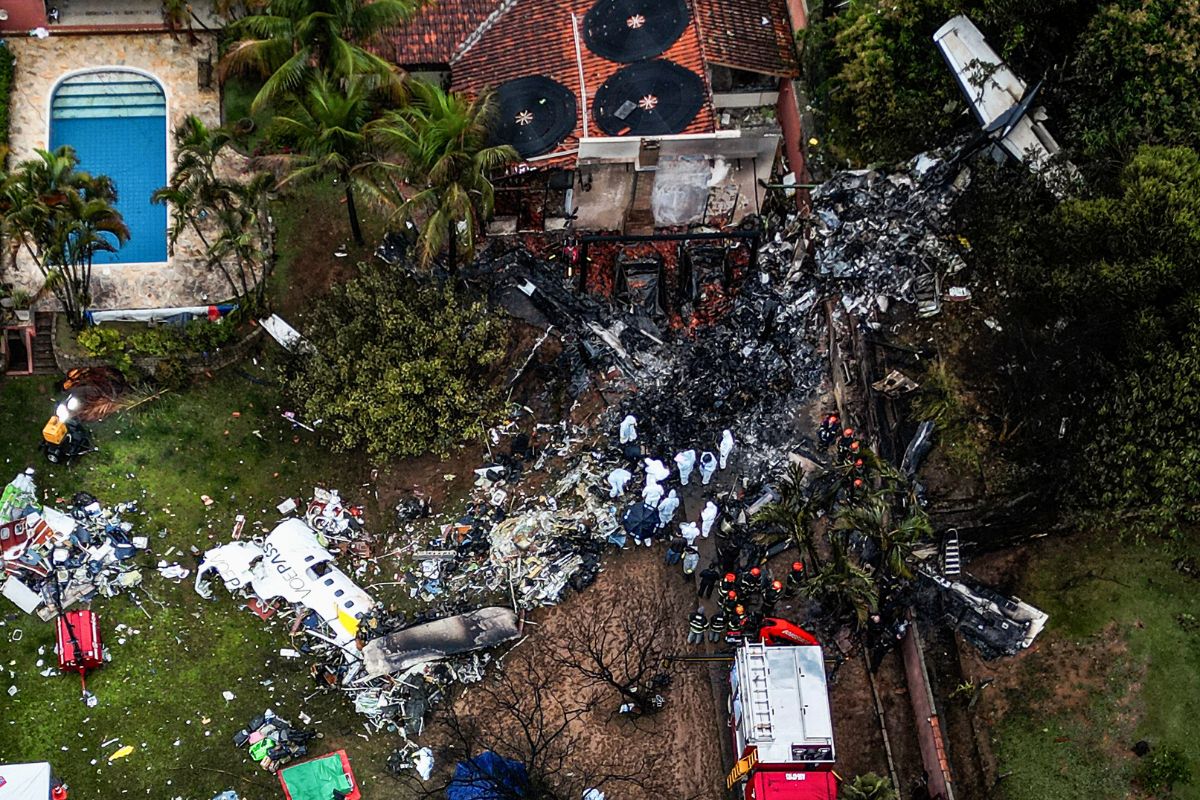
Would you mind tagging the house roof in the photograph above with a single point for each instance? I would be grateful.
(538, 37)
(500, 40)
(434, 34)
(752, 35)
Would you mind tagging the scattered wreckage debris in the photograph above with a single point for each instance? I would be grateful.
(54, 560)
(997, 625)
(274, 742)
(875, 238)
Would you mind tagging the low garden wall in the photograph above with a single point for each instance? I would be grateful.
(194, 363)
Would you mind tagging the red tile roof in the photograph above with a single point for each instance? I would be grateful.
(753, 35)
(536, 37)
(436, 32)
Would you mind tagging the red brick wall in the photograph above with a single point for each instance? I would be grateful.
(787, 110)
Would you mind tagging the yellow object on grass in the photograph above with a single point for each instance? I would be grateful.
(124, 751)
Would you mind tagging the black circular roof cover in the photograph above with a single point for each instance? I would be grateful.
(648, 98)
(632, 30)
(535, 114)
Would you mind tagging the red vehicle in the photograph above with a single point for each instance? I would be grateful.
(79, 644)
(781, 722)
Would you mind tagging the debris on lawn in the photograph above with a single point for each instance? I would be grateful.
(53, 560)
(272, 741)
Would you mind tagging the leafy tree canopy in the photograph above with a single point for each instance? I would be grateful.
(399, 367)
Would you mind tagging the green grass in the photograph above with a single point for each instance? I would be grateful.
(1117, 603)
(167, 678)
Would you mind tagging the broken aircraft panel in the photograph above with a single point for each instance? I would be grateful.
(999, 99)
(436, 640)
(290, 564)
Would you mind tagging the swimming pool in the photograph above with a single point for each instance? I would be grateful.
(116, 121)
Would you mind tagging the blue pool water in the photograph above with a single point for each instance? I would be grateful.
(116, 122)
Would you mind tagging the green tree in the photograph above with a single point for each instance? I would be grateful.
(1132, 79)
(869, 786)
(845, 588)
(874, 517)
(230, 217)
(795, 513)
(294, 42)
(325, 126)
(398, 367)
(62, 217)
(443, 163)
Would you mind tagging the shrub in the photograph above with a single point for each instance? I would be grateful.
(107, 344)
(170, 373)
(1163, 769)
(7, 71)
(399, 367)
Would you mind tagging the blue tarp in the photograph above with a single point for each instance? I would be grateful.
(488, 776)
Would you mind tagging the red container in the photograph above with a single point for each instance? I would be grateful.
(79, 645)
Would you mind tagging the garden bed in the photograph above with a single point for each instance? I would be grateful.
(69, 354)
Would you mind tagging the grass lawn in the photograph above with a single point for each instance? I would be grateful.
(1113, 667)
(162, 691)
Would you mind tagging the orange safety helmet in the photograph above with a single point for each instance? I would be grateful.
(730, 577)
(777, 585)
(848, 432)
(739, 610)
(755, 572)
(797, 566)
(732, 595)
(858, 483)
(854, 446)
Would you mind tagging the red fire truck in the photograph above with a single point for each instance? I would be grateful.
(781, 724)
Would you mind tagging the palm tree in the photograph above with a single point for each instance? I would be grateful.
(846, 587)
(439, 143)
(293, 42)
(794, 513)
(326, 128)
(869, 786)
(228, 217)
(873, 517)
(62, 217)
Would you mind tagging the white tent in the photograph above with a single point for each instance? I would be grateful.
(26, 781)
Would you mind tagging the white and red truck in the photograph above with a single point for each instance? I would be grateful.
(781, 723)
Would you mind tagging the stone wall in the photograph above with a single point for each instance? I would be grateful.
(40, 64)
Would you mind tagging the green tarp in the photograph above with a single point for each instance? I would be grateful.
(316, 779)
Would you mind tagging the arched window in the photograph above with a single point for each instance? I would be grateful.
(117, 122)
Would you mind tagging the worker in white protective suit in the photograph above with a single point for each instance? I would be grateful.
(686, 462)
(617, 481)
(629, 429)
(690, 531)
(656, 470)
(708, 465)
(726, 447)
(707, 517)
(652, 494)
(667, 508)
